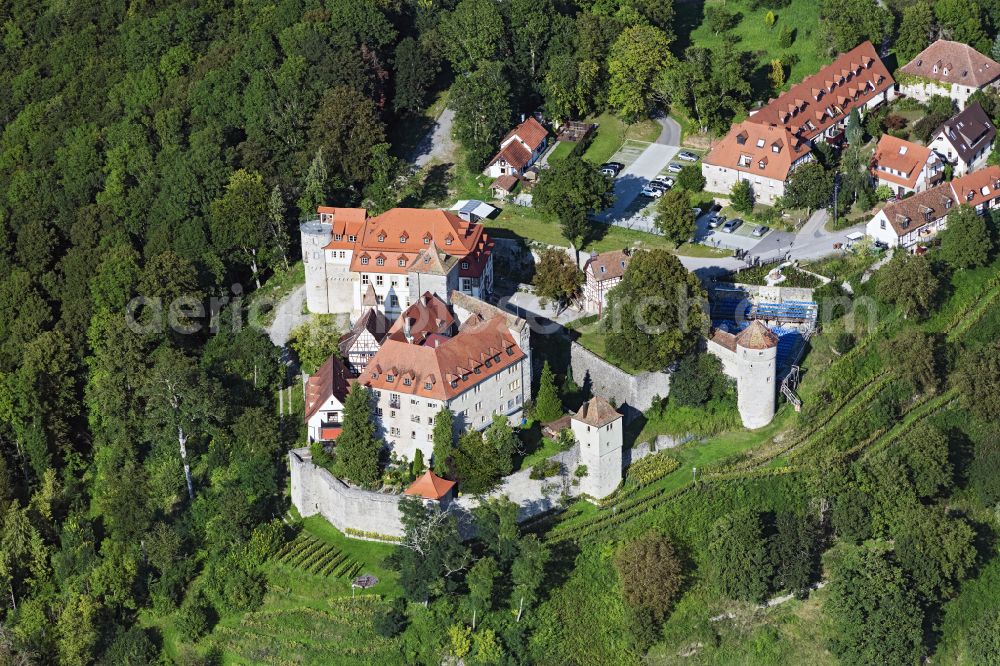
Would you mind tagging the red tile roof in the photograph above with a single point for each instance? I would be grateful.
(913, 212)
(531, 132)
(597, 412)
(904, 156)
(758, 149)
(430, 486)
(346, 222)
(331, 379)
(955, 62)
(507, 183)
(756, 336)
(977, 187)
(514, 154)
(810, 107)
(404, 232)
(429, 315)
(442, 368)
(607, 265)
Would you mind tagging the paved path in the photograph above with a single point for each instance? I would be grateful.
(287, 316)
(437, 145)
(670, 135)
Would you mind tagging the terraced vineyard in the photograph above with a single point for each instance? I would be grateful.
(309, 554)
(304, 630)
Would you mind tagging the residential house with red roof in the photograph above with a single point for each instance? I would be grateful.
(905, 167)
(601, 273)
(918, 218)
(353, 261)
(522, 146)
(777, 138)
(947, 68)
(325, 393)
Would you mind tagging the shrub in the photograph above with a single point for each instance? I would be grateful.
(844, 342)
(393, 621)
(195, 616)
(544, 469)
(785, 36)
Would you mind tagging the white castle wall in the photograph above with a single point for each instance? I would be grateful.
(631, 393)
(315, 490)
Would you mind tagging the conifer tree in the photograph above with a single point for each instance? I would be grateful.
(444, 442)
(417, 467)
(357, 447)
(548, 407)
(314, 189)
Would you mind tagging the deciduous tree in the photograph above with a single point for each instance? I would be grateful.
(966, 242)
(738, 555)
(637, 59)
(557, 278)
(909, 282)
(654, 315)
(674, 216)
(569, 191)
(742, 197)
(651, 574)
(481, 100)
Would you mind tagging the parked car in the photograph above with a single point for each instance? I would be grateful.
(687, 156)
(664, 180)
(731, 225)
(614, 165)
(608, 171)
(696, 211)
(674, 167)
(651, 192)
(612, 168)
(657, 185)
(760, 230)
(715, 220)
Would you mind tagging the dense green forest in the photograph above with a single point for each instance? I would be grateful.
(167, 150)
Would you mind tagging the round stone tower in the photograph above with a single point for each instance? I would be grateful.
(756, 378)
(315, 236)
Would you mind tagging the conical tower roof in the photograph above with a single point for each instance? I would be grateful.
(756, 336)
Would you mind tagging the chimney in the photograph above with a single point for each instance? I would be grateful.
(406, 330)
(522, 117)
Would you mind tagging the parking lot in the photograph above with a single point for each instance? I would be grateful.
(741, 238)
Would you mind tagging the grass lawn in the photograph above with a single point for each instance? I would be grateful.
(548, 448)
(755, 37)
(561, 151)
(612, 132)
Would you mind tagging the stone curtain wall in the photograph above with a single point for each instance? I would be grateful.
(315, 490)
(631, 393)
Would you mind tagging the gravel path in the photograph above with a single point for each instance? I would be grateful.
(437, 145)
(287, 316)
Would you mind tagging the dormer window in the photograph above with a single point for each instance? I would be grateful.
(775, 148)
(364, 260)
(985, 191)
(447, 241)
(454, 384)
(427, 240)
(602, 269)
(477, 370)
(623, 264)
(427, 386)
(380, 261)
(510, 351)
(389, 378)
(741, 138)
(352, 239)
(465, 376)
(760, 142)
(947, 204)
(381, 238)
(402, 262)
(761, 164)
(338, 237)
(407, 382)
(968, 197)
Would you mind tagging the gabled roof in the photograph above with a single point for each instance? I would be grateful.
(904, 157)
(344, 222)
(329, 380)
(430, 486)
(607, 265)
(531, 132)
(372, 321)
(507, 182)
(596, 412)
(968, 131)
(810, 107)
(443, 367)
(953, 62)
(429, 315)
(514, 154)
(765, 150)
(756, 336)
(433, 260)
(910, 213)
(977, 187)
(486, 310)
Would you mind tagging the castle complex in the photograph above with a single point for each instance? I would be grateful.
(353, 262)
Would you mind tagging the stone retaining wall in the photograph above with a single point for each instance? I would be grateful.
(315, 490)
(631, 393)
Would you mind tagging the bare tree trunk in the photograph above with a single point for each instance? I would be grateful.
(520, 608)
(182, 441)
(473, 619)
(13, 601)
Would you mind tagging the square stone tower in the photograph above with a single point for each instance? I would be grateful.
(599, 430)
